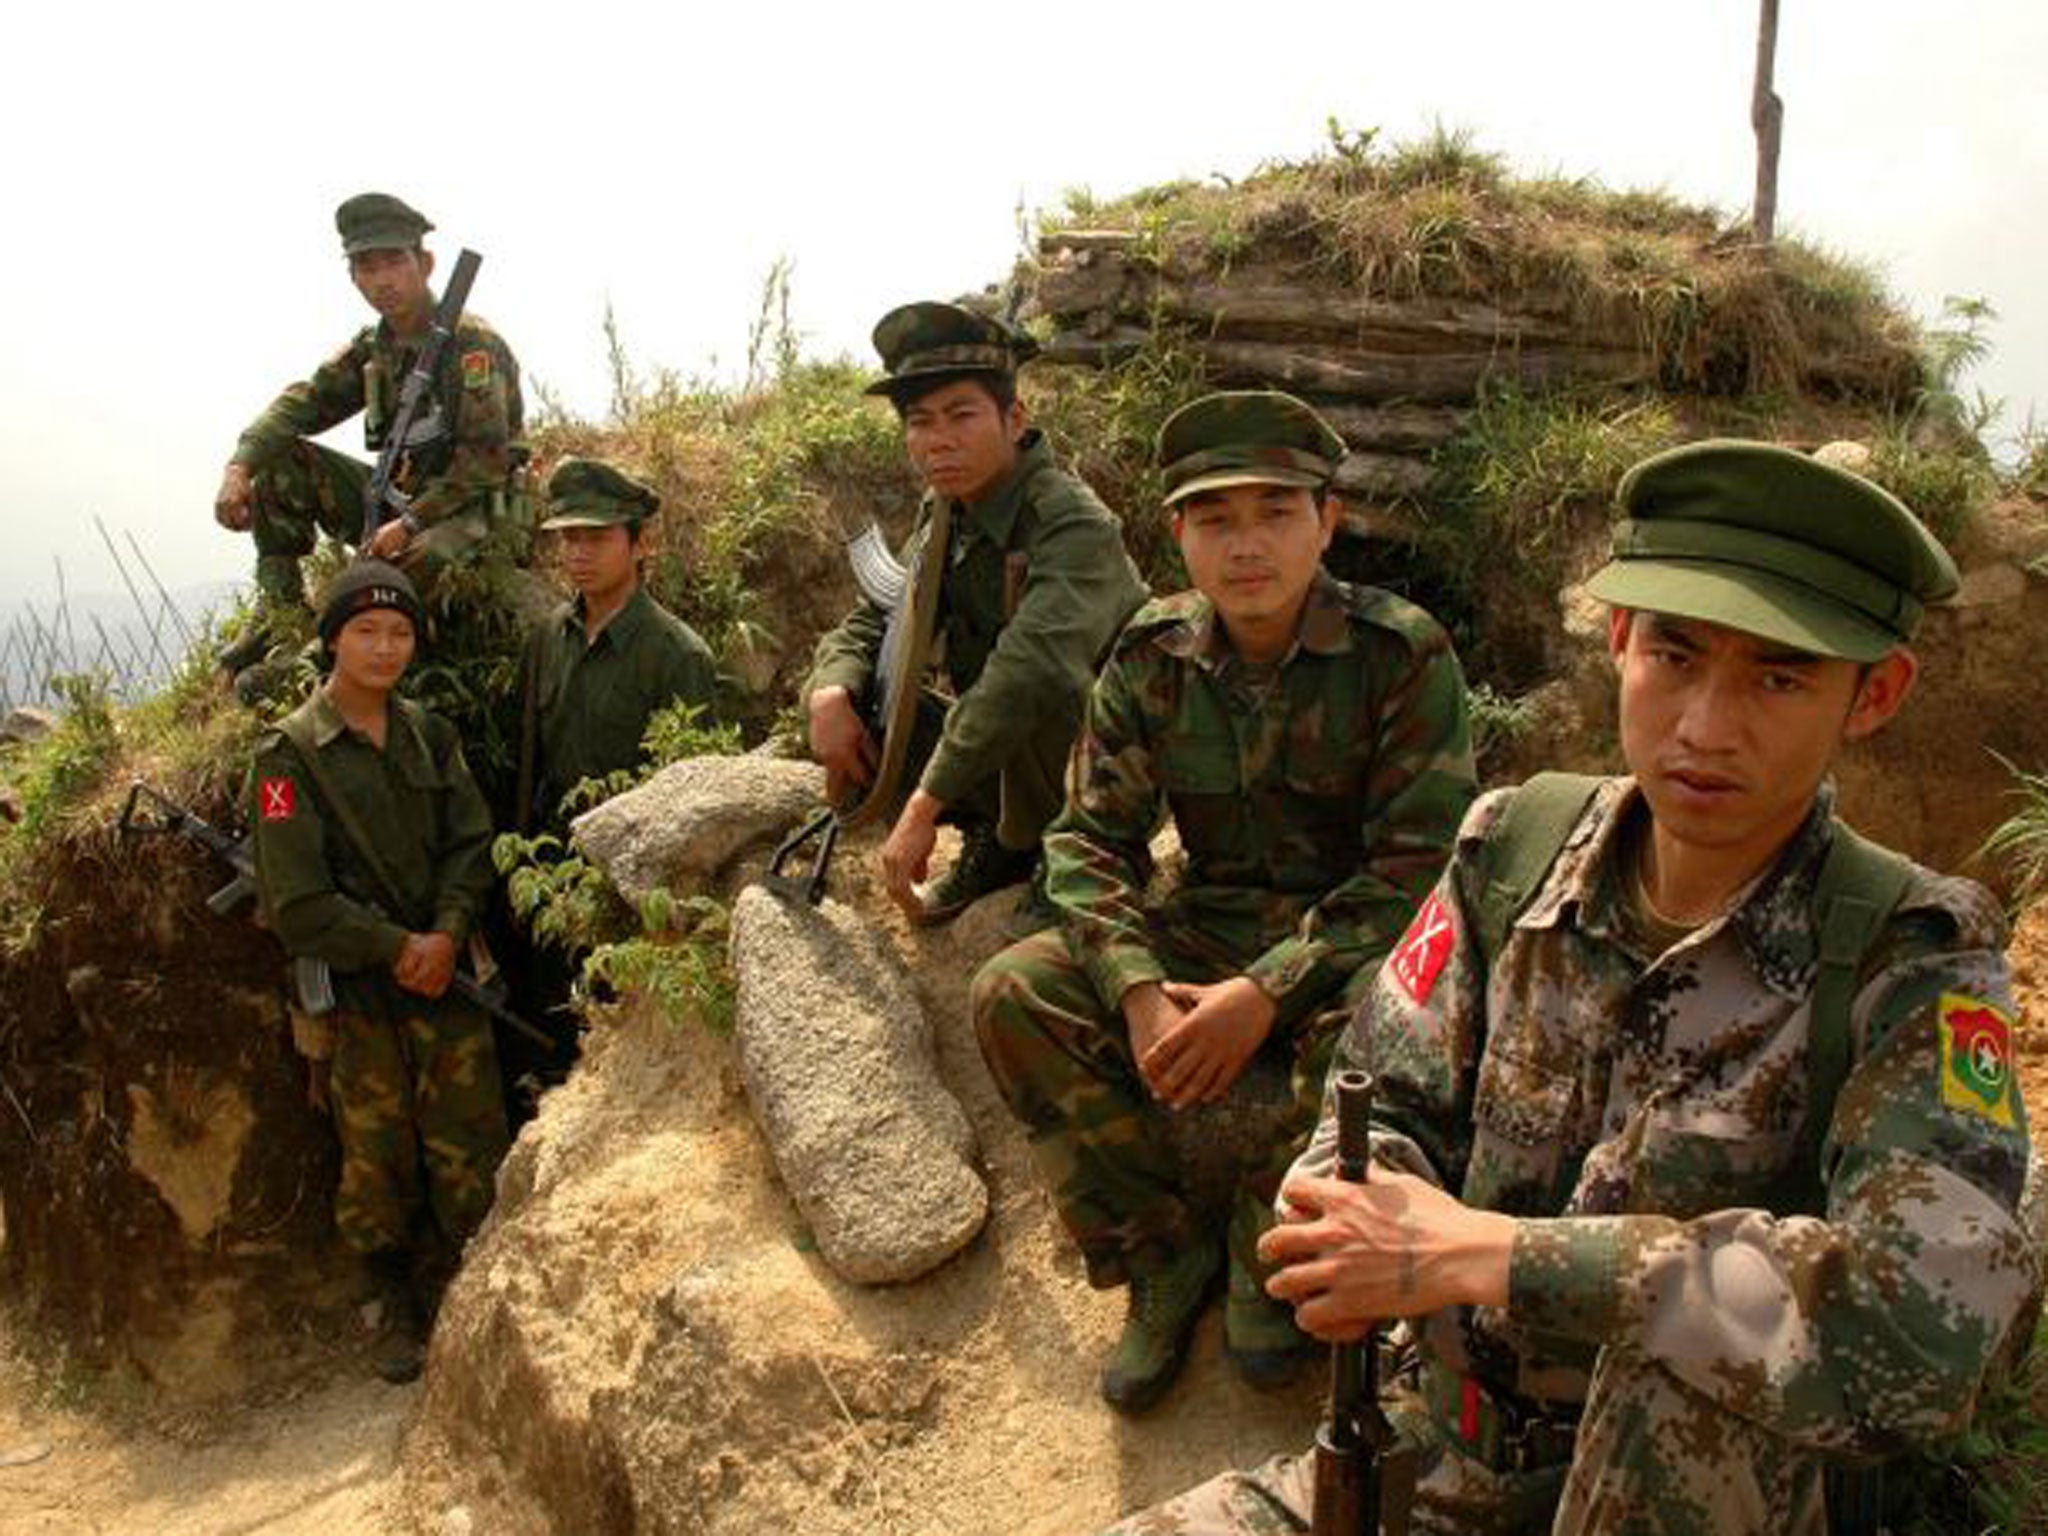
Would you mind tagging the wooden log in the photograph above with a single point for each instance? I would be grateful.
(1397, 428)
(1389, 477)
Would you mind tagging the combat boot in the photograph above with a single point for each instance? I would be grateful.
(1259, 1334)
(1164, 1305)
(401, 1346)
(984, 866)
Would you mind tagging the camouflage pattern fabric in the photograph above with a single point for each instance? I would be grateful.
(1316, 800)
(595, 696)
(1643, 1112)
(466, 443)
(419, 1110)
(1037, 584)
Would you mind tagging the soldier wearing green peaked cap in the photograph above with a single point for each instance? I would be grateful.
(1707, 1103)
(462, 460)
(1308, 739)
(599, 667)
(1024, 582)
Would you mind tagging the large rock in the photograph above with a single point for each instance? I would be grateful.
(838, 1061)
(684, 825)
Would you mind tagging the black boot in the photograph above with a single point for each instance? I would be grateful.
(401, 1347)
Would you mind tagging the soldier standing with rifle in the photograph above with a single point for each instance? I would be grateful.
(1698, 1137)
(1020, 574)
(455, 467)
(373, 855)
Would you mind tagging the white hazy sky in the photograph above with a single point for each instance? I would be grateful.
(170, 174)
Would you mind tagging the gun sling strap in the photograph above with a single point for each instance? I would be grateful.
(297, 728)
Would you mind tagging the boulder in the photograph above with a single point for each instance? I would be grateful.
(684, 825)
(26, 722)
(838, 1060)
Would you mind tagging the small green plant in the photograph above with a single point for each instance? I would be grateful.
(1498, 720)
(680, 959)
(59, 771)
(2021, 840)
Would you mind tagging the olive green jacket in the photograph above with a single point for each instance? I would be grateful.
(1037, 585)
(414, 797)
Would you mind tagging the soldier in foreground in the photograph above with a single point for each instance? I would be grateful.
(598, 669)
(458, 467)
(373, 855)
(1309, 740)
(1698, 1140)
(1033, 584)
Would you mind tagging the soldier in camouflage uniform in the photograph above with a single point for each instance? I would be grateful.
(1309, 739)
(373, 854)
(1679, 1279)
(465, 445)
(1035, 585)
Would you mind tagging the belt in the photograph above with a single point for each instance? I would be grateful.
(1503, 1431)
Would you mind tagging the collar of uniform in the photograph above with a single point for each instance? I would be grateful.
(1324, 628)
(1772, 918)
(621, 626)
(996, 514)
(328, 724)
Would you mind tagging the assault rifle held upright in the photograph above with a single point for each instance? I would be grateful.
(311, 978)
(380, 493)
(1352, 1496)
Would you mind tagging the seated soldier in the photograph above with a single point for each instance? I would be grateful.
(1309, 739)
(1033, 584)
(462, 451)
(1697, 1140)
(373, 855)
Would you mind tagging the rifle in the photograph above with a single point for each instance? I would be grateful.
(379, 493)
(1353, 1444)
(312, 979)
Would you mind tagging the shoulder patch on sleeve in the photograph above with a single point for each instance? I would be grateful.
(476, 368)
(278, 798)
(1977, 1066)
(1419, 958)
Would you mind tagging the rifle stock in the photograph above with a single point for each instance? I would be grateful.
(380, 493)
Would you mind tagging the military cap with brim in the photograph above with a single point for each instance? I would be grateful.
(588, 493)
(926, 339)
(377, 221)
(363, 586)
(1245, 437)
(1766, 540)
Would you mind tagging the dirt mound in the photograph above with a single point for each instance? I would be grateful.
(2029, 955)
(643, 1339)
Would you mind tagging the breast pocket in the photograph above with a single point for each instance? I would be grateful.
(1521, 1111)
(1700, 1159)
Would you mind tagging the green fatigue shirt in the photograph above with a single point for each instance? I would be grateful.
(1036, 585)
(593, 698)
(1646, 1112)
(414, 797)
(465, 442)
(1316, 798)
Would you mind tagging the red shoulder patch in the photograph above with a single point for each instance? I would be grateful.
(279, 799)
(1419, 957)
(476, 369)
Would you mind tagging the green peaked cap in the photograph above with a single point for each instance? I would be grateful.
(927, 338)
(1245, 437)
(588, 493)
(377, 221)
(1766, 540)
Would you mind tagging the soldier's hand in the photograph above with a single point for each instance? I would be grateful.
(1148, 1014)
(389, 541)
(841, 742)
(231, 503)
(426, 964)
(1394, 1246)
(1222, 1026)
(907, 854)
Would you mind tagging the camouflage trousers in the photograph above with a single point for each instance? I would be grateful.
(421, 1117)
(309, 489)
(1063, 1061)
(1653, 1458)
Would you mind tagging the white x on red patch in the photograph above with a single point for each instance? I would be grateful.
(1425, 947)
(280, 798)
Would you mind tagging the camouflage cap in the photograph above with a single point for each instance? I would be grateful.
(377, 221)
(1769, 541)
(928, 338)
(588, 493)
(362, 586)
(1245, 437)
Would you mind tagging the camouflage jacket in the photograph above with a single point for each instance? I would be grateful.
(1037, 583)
(414, 797)
(465, 442)
(1316, 799)
(1645, 1114)
(593, 698)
